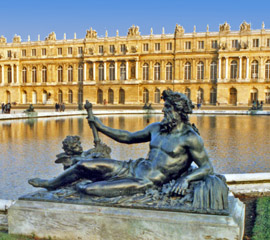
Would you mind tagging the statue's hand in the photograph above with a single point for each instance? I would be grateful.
(180, 187)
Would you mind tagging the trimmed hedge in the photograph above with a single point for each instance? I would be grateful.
(261, 230)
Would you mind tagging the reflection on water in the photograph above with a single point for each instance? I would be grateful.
(235, 144)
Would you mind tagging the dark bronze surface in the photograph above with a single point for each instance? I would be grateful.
(165, 176)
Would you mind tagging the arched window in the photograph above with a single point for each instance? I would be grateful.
(267, 96)
(70, 74)
(99, 96)
(9, 75)
(233, 69)
(233, 96)
(34, 75)
(110, 96)
(112, 71)
(80, 73)
(44, 74)
(60, 74)
(157, 95)
(123, 71)
(213, 96)
(24, 75)
(200, 96)
(157, 71)
(254, 69)
(213, 71)
(122, 96)
(101, 72)
(24, 97)
(187, 93)
(145, 96)
(80, 96)
(169, 71)
(70, 96)
(267, 70)
(145, 71)
(8, 97)
(44, 97)
(200, 71)
(187, 71)
(34, 97)
(253, 95)
(60, 96)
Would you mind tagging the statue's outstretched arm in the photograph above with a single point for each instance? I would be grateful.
(122, 135)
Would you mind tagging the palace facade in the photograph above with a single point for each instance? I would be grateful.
(225, 67)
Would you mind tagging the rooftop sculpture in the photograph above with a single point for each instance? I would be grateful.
(165, 179)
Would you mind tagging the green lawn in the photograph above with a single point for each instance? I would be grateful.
(261, 230)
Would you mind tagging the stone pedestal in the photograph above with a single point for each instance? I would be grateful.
(85, 222)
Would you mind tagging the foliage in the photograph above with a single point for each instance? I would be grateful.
(261, 230)
(6, 236)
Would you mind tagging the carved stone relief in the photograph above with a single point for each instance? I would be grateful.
(224, 28)
(179, 31)
(91, 34)
(133, 31)
(3, 39)
(16, 39)
(245, 27)
(51, 37)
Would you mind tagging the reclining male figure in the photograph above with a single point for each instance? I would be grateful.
(174, 145)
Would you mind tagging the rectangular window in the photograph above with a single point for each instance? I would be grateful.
(169, 46)
(70, 50)
(214, 44)
(9, 53)
(157, 46)
(44, 52)
(122, 48)
(34, 52)
(100, 49)
(188, 45)
(268, 42)
(201, 44)
(80, 50)
(235, 43)
(59, 51)
(256, 42)
(145, 47)
(111, 48)
(24, 53)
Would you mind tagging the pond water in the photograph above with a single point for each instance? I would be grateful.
(235, 144)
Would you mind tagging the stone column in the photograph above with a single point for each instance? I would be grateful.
(226, 69)
(247, 73)
(194, 69)
(94, 71)
(206, 71)
(84, 74)
(115, 72)
(219, 68)
(127, 70)
(17, 72)
(240, 68)
(3, 74)
(136, 70)
(105, 71)
(12, 73)
(262, 69)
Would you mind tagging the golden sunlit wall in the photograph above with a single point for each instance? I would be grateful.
(225, 67)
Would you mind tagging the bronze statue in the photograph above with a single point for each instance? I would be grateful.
(174, 145)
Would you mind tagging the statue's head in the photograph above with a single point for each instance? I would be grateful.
(72, 145)
(181, 105)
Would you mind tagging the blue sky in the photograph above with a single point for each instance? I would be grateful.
(33, 17)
